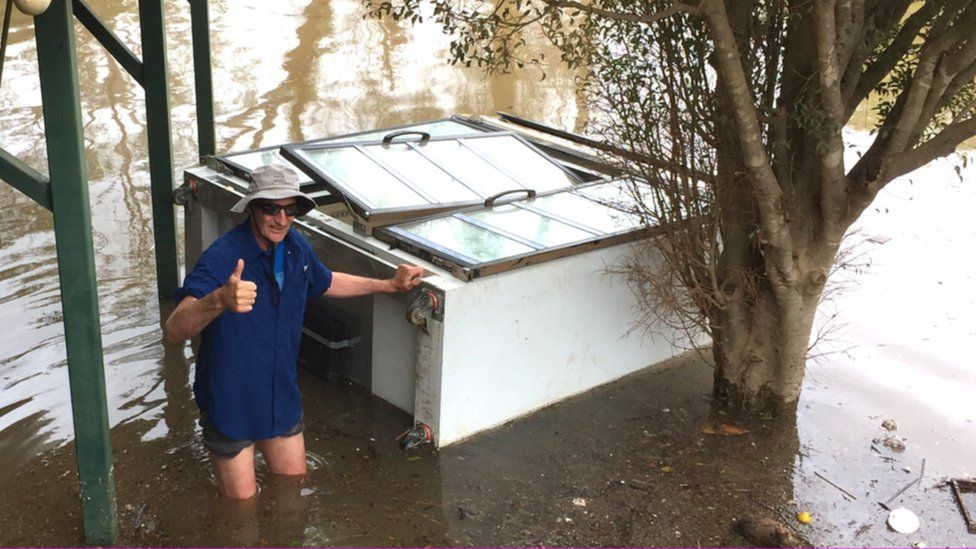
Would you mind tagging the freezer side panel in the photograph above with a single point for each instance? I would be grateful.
(520, 340)
(394, 353)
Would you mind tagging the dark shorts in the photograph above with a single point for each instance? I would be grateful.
(225, 447)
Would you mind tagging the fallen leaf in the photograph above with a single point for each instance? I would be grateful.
(804, 517)
(725, 429)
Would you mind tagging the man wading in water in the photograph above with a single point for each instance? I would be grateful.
(247, 296)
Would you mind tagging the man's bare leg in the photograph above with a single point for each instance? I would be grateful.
(235, 476)
(285, 455)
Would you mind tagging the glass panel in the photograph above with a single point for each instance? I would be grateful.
(619, 195)
(466, 239)
(531, 226)
(376, 187)
(253, 159)
(532, 169)
(422, 173)
(442, 128)
(586, 212)
(461, 162)
(256, 159)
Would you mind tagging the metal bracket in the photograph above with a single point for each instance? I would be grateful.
(182, 194)
(426, 305)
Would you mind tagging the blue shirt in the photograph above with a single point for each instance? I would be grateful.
(246, 380)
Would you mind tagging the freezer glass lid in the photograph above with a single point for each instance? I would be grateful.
(242, 163)
(409, 174)
(485, 240)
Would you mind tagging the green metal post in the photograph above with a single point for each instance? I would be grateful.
(57, 66)
(200, 23)
(160, 143)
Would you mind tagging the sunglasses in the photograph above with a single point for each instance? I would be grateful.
(272, 209)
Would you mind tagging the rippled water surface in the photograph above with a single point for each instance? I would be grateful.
(634, 451)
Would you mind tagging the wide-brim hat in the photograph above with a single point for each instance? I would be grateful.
(274, 182)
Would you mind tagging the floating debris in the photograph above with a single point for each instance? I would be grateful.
(766, 532)
(962, 487)
(835, 485)
(893, 443)
(724, 428)
(903, 521)
(906, 487)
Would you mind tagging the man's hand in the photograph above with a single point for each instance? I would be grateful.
(407, 277)
(238, 295)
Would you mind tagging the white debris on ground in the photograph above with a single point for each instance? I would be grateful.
(903, 521)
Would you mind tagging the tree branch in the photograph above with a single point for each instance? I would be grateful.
(944, 143)
(833, 180)
(909, 121)
(675, 9)
(764, 186)
(954, 71)
(874, 171)
(849, 21)
(856, 90)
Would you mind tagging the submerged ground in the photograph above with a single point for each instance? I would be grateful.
(642, 461)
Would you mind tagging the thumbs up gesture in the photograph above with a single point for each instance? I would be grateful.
(238, 295)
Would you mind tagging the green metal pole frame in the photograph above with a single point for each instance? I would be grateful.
(203, 82)
(58, 70)
(160, 143)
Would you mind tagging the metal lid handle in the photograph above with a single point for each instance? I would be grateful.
(424, 136)
(490, 201)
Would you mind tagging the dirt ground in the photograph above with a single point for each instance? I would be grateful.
(643, 461)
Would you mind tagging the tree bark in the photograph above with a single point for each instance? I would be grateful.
(760, 350)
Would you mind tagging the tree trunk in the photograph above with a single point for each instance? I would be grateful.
(760, 349)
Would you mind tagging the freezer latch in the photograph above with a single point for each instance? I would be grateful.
(423, 308)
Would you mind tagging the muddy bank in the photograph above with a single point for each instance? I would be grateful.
(642, 461)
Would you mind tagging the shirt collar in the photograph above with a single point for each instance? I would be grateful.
(251, 247)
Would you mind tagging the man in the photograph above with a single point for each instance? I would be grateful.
(247, 296)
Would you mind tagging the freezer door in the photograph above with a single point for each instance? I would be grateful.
(496, 237)
(412, 174)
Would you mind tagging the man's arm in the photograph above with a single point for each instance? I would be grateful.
(406, 278)
(192, 315)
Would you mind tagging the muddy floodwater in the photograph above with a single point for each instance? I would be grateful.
(887, 404)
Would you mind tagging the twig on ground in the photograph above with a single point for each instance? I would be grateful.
(830, 482)
(899, 492)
